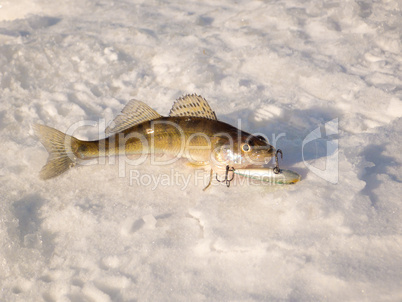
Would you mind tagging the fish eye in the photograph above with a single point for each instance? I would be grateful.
(246, 147)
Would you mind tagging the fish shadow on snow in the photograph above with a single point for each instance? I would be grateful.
(288, 130)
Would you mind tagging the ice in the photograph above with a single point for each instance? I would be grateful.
(284, 69)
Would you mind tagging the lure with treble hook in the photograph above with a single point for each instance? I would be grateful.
(271, 175)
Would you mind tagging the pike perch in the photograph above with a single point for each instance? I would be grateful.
(191, 131)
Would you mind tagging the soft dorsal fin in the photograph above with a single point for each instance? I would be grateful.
(192, 105)
(135, 112)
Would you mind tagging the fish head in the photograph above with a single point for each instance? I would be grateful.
(243, 151)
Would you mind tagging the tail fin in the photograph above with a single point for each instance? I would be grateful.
(58, 144)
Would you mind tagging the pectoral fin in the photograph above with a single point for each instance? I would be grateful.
(197, 164)
(210, 180)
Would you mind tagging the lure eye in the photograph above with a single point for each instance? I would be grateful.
(246, 147)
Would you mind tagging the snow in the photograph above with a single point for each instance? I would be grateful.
(279, 68)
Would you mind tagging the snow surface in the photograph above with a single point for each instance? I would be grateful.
(285, 68)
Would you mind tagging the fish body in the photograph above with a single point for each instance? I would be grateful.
(191, 131)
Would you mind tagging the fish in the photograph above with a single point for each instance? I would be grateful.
(191, 131)
(270, 175)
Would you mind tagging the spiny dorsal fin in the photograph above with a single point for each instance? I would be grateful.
(135, 112)
(192, 105)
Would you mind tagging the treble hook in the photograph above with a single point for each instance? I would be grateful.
(276, 169)
(227, 180)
